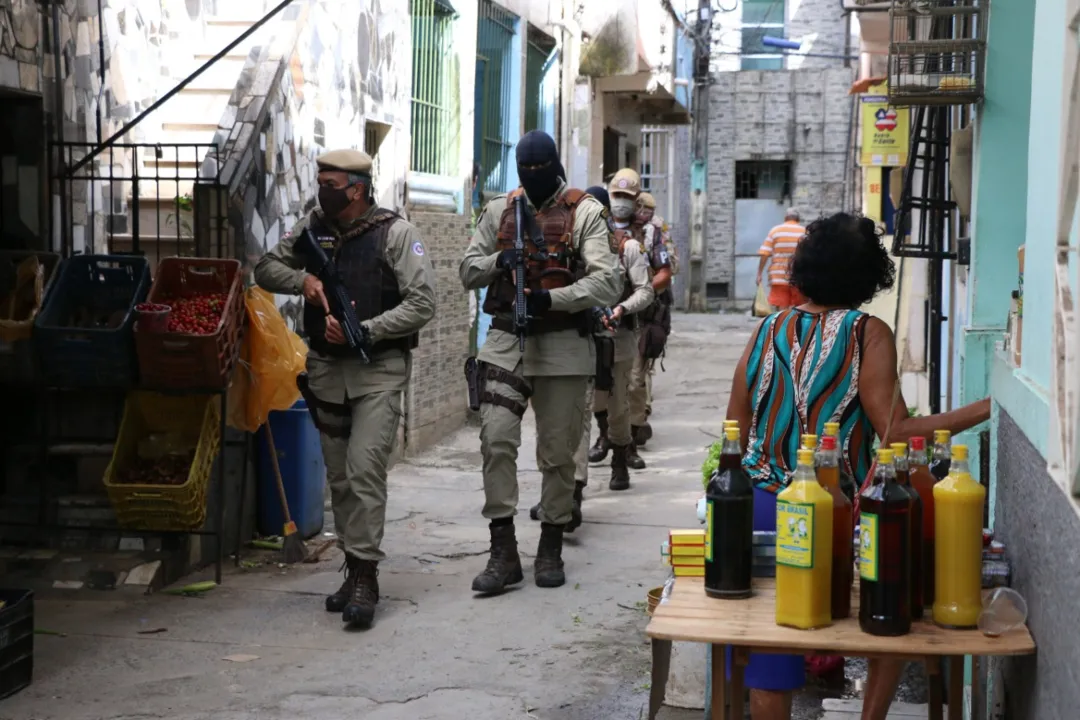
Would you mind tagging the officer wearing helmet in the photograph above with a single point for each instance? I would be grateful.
(571, 267)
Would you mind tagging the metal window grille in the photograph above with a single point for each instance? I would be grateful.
(658, 168)
(539, 50)
(432, 91)
(763, 180)
(494, 39)
(761, 18)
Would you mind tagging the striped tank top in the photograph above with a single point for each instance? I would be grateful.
(803, 371)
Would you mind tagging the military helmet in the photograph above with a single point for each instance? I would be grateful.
(646, 200)
(625, 182)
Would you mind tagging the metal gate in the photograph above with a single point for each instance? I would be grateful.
(658, 168)
(494, 80)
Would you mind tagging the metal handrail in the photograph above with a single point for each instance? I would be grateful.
(179, 86)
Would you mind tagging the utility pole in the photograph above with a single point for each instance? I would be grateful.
(700, 143)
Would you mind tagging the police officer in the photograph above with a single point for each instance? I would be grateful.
(571, 268)
(637, 295)
(357, 407)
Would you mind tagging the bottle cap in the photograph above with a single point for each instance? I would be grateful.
(918, 444)
(809, 441)
(828, 442)
(959, 452)
(942, 436)
(885, 456)
(832, 428)
(806, 456)
(731, 433)
(898, 449)
(731, 423)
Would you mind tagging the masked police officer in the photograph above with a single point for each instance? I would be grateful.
(357, 406)
(571, 267)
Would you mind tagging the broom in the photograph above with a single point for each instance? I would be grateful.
(292, 546)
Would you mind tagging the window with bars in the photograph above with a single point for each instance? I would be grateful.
(540, 87)
(433, 117)
(495, 116)
(763, 180)
(761, 18)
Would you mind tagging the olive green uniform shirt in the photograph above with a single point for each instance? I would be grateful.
(281, 270)
(563, 352)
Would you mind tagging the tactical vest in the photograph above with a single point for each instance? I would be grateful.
(360, 257)
(621, 238)
(551, 263)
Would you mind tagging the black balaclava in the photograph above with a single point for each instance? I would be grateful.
(537, 148)
(600, 193)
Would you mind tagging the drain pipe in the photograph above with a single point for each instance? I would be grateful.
(58, 118)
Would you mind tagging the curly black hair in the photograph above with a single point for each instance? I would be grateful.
(841, 262)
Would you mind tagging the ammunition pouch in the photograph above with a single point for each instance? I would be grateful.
(332, 419)
(478, 373)
(605, 363)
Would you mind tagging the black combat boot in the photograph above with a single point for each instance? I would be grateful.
(504, 565)
(534, 512)
(633, 460)
(600, 448)
(360, 610)
(336, 603)
(620, 475)
(548, 568)
(641, 434)
(575, 514)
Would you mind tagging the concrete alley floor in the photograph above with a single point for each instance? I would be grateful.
(436, 652)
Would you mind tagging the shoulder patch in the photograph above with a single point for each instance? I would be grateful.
(664, 259)
(418, 249)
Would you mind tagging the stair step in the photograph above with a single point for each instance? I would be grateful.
(190, 126)
(220, 33)
(180, 137)
(222, 74)
(203, 105)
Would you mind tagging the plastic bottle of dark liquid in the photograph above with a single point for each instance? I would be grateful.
(922, 482)
(942, 460)
(847, 483)
(885, 553)
(828, 475)
(903, 478)
(729, 524)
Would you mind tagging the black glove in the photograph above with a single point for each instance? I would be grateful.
(538, 302)
(508, 260)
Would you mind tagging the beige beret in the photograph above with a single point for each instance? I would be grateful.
(350, 161)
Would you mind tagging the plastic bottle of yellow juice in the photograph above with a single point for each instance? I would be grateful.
(958, 527)
(804, 535)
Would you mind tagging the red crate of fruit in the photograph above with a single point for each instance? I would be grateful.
(206, 317)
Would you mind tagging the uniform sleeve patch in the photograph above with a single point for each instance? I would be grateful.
(418, 249)
(664, 260)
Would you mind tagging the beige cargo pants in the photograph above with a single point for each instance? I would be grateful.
(581, 457)
(559, 406)
(617, 403)
(640, 390)
(356, 468)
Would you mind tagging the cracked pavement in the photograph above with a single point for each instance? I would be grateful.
(436, 651)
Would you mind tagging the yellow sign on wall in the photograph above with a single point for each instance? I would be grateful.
(872, 194)
(885, 130)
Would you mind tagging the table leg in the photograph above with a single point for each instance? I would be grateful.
(739, 659)
(661, 667)
(718, 683)
(934, 687)
(956, 687)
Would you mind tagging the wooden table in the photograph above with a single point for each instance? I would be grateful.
(689, 615)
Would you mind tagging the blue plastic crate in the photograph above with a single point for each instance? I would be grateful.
(16, 641)
(96, 288)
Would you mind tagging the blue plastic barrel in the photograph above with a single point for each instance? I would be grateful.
(302, 471)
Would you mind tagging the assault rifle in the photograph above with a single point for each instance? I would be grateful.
(521, 312)
(341, 306)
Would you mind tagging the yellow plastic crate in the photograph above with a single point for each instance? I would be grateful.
(164, 507)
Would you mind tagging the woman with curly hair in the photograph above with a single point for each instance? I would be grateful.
(825, 361)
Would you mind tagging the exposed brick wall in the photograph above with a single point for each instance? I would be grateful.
(436, 402)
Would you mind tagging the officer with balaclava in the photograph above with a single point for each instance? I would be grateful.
(570, 267)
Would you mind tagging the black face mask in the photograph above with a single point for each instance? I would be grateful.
(333, 201)
(539, 184)
(539, 169)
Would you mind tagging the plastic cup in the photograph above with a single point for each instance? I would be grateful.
(1004, 609)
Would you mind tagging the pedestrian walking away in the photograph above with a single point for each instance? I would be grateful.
(387, 273)
(776, 253)
(570, 267)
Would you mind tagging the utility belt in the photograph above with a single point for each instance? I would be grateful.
(552, 322)
(477, 375)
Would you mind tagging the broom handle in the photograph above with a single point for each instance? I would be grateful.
(277, 474)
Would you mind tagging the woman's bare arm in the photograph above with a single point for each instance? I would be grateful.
(739, 405)
(877, 382)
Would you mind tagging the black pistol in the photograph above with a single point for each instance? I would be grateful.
(341, 306)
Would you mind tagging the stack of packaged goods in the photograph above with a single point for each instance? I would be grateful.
(764, 559)
(687, 552)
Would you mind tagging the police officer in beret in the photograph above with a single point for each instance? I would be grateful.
(357, 406)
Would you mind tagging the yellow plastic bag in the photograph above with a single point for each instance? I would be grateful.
(761, 303)
(270, 359)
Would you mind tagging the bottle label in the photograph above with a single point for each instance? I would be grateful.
(708, 530)
(795, 534)
(868, 547)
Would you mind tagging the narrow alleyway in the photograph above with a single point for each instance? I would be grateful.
(436, 651)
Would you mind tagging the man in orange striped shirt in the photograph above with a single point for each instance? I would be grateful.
(776, 253)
